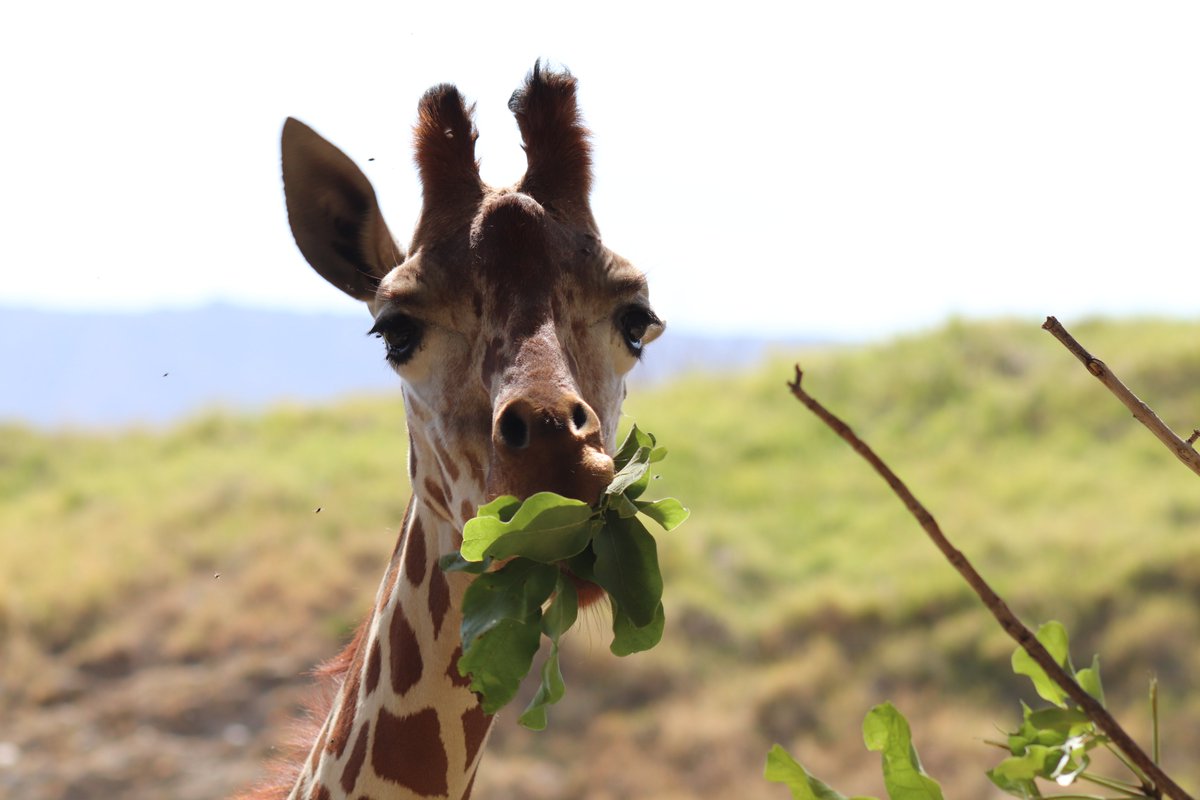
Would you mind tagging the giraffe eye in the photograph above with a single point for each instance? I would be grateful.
(401, 335)
(633, 323)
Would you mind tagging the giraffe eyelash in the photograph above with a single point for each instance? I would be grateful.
(401, 335)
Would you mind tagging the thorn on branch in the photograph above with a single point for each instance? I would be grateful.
(1195, 435)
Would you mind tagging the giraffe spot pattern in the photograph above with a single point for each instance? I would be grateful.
(447, 463)
(355, 762)
(405, 657)
(409, 751)
(408, 514)
(436, 493)
(475, 727)
(473, 464)
(452, 673)
(414, 554)
(439, 599)
(393, 574)
(374, 666)
(467, 510)
(345, 719)
(319, 793)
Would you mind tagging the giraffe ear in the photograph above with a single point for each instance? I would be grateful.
(334, 215)
(559, 175)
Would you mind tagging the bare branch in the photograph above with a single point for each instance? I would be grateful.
(1141, 412)
(1000, 610)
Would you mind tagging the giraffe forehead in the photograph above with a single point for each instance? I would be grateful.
(515, 267)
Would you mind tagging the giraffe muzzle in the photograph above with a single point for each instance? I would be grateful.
(548, 442)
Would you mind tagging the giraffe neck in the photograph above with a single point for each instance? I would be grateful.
(404, 724)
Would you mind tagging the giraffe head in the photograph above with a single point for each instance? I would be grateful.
(511, 325)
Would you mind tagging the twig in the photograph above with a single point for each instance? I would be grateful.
(1000, 610)
(1154, 717)
(1141, 412)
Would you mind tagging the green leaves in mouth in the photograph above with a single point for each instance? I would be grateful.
(548, 540)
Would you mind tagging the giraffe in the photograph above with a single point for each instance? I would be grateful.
(511, 327)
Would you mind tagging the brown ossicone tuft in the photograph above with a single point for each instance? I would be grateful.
(444, 139)
(557, 146)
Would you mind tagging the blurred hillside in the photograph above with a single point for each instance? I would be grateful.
(103, 369)
(161, 593)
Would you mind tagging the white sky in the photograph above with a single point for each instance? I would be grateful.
(841, 168)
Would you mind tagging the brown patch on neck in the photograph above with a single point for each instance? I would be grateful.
(409, 751)
(355, 762)
(437, 496)
(406, 662)
(345, 666)
(475, 727)
(439, 599)
(452, 671)
(415, 554)
(345, 719)
(374, 667)
(446, 462)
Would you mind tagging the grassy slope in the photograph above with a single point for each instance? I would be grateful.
(800, 592)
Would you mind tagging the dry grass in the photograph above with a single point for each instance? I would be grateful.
(799, 595)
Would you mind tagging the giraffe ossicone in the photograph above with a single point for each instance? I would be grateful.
(511, 326)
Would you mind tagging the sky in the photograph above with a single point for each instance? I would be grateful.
(844, 170)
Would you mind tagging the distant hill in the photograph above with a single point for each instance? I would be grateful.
(101, 369)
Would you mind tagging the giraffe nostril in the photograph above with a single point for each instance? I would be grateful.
(579, 417)
(514, 431)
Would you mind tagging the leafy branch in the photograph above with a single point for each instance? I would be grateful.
(1156, 782)
(529, 556)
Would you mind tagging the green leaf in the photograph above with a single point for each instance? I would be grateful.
(502, 508)
(454, 562)
(1017, 787)
(627, 567)
(582, 566)
(499, 660)
(501, 628)
(622, 505)
(634, 440)
(516, 592)
(1089, 680)
(638, 487)
(782, 768)
(1037, 761)
(547, 528)
(550, 692)
(886, 730)
(629, 638)
(1053, 637)
(1064, 720)
(667, 512)
(560, 615)
(637, 468)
